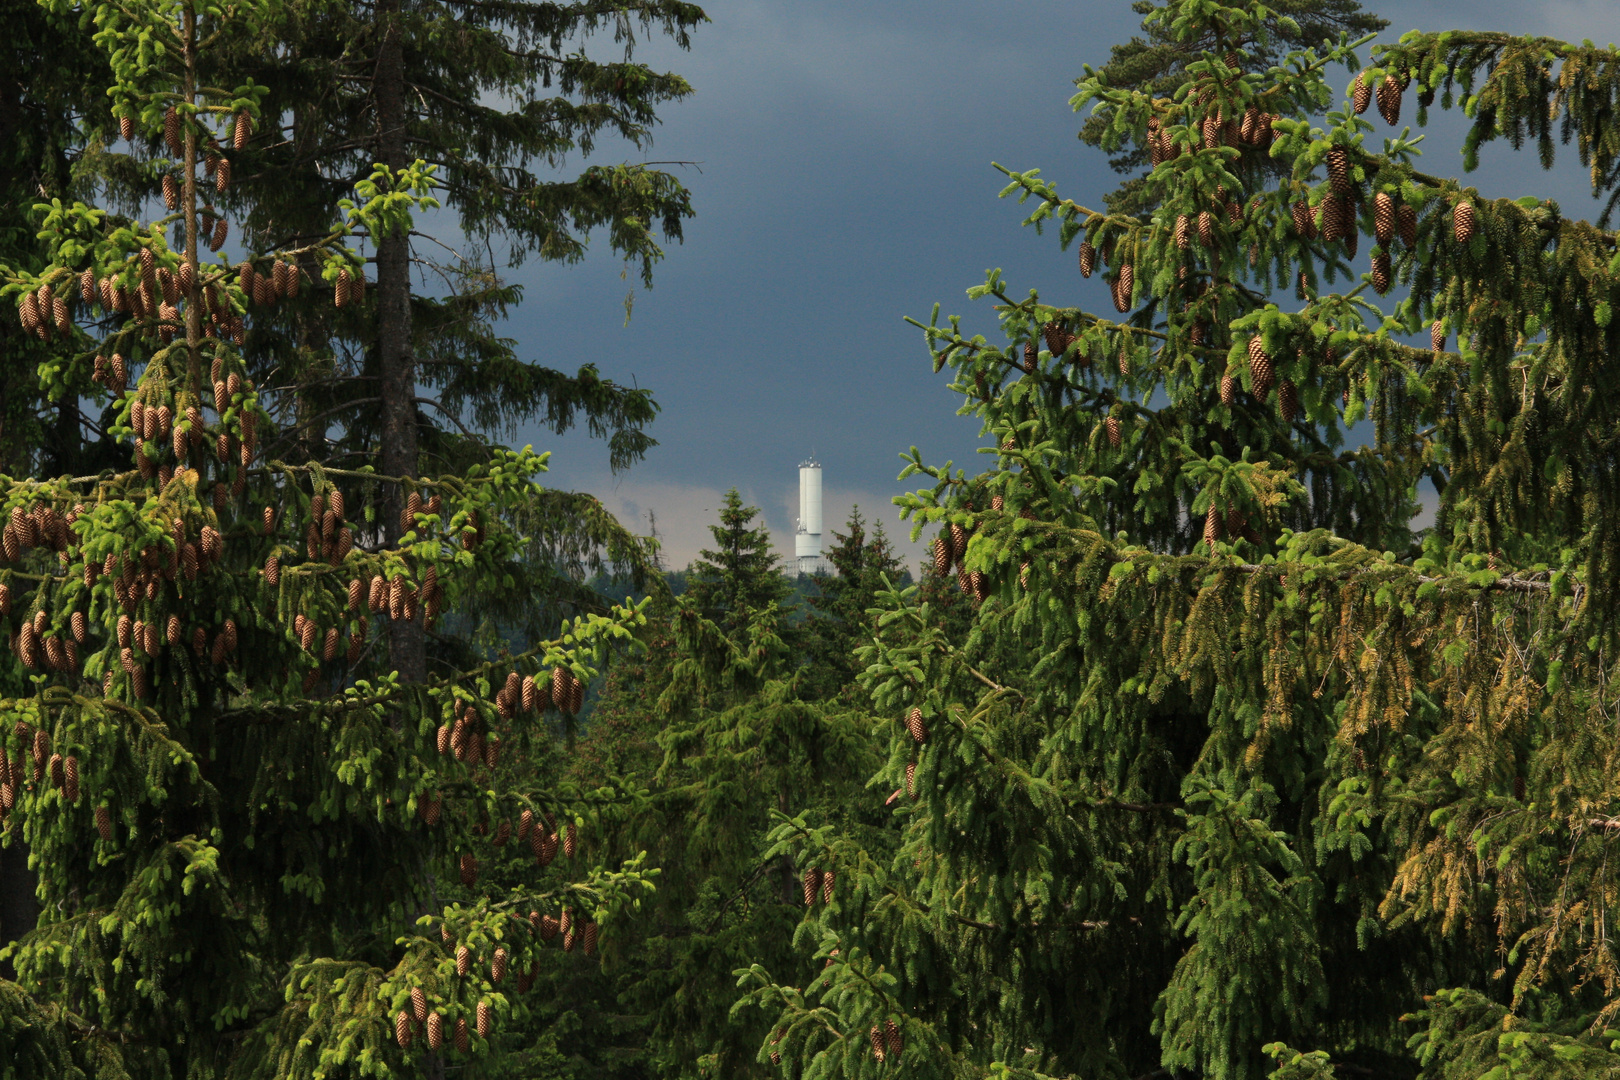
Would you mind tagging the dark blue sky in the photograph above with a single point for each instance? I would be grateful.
(845, 182)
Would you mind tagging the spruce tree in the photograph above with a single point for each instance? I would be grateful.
(248, 832)
(1236, 771)
(741, 574)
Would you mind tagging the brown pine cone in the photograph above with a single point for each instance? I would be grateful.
(1058, 339)
(529, 694)
(891, 1040)
(173, 630)
(497, 964)
(378, 594)
(549, 928)
(1406, 224)
(1332, 220)
(1463, 222)
(1030, 356)
(126, 128)
(171, 131)
(1206, 228)
(590, 939)
(1288, 400)
(444, 738)
(1360, 93)
(959, 542)
(340, 291)
(916, 726)
(1260, 371)
(463, 954)
(243, 130)
(812, 885)
(1124, 286)
(1088, 258)
(430, 807)
(1212, 526)
(1389, 99)
(419, 1003)
(911, 779)
(1338, 167)
(1183, 232)
(1381, 272)
(222, 174)
(435, 1031)
(330, 648)
(827, 879)
(1111, 428)
(104, 818)
(570, 841)
(560, 687)
(485, 1019)
(548, 848)
(1437, 336)
(877, 1044)
(525, 825)
(402, 1029)
(272, 571)
(463, 1042)
(221, 231)
(58, 779)
(1383, 218)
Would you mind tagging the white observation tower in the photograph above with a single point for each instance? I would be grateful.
(807, 536)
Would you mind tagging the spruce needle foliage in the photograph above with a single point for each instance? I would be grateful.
(1235, 772)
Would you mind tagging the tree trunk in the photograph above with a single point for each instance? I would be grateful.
(19, 910)
(395, 359)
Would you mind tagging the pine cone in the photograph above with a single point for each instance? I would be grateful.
(173, 628)
(560, 686)
(435, 1030)
(419, 1003)
(1088, 258)
(1338, 167)
(340, 291)
(570, 841)
(1381, 272)
(430, 807)
(1183, 232)
(549, 928)
(1389, 100)
(485, 1019)
(877, 1044)
(959, 542)
(378, 593)
(1288, 400)
(915, 725)
(827, 879)
(529, 694)
(1332, 219)
(222, 229)
(1212, 526)
(525, 825)
(1260, 371)
(243, 130)
(1406, 223)
(891, 1040)
(104, 818)
(402, 1029)
(812, 885)
(1206, 228)
(1463, 222)
(1383, 218)
(463, 954)
(911, 779)
(1437, 336)
(126, 128)
(497, 966)
(1058, 339)
(1360, 93)
(1111, 428)
(171, 131)
(1123, 287)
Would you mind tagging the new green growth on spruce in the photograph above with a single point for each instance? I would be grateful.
(248, 834)
(1236, 772)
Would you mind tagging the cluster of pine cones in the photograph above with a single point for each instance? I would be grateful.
(63, 771)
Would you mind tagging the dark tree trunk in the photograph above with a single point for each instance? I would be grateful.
(395, 359)
(19, 909)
